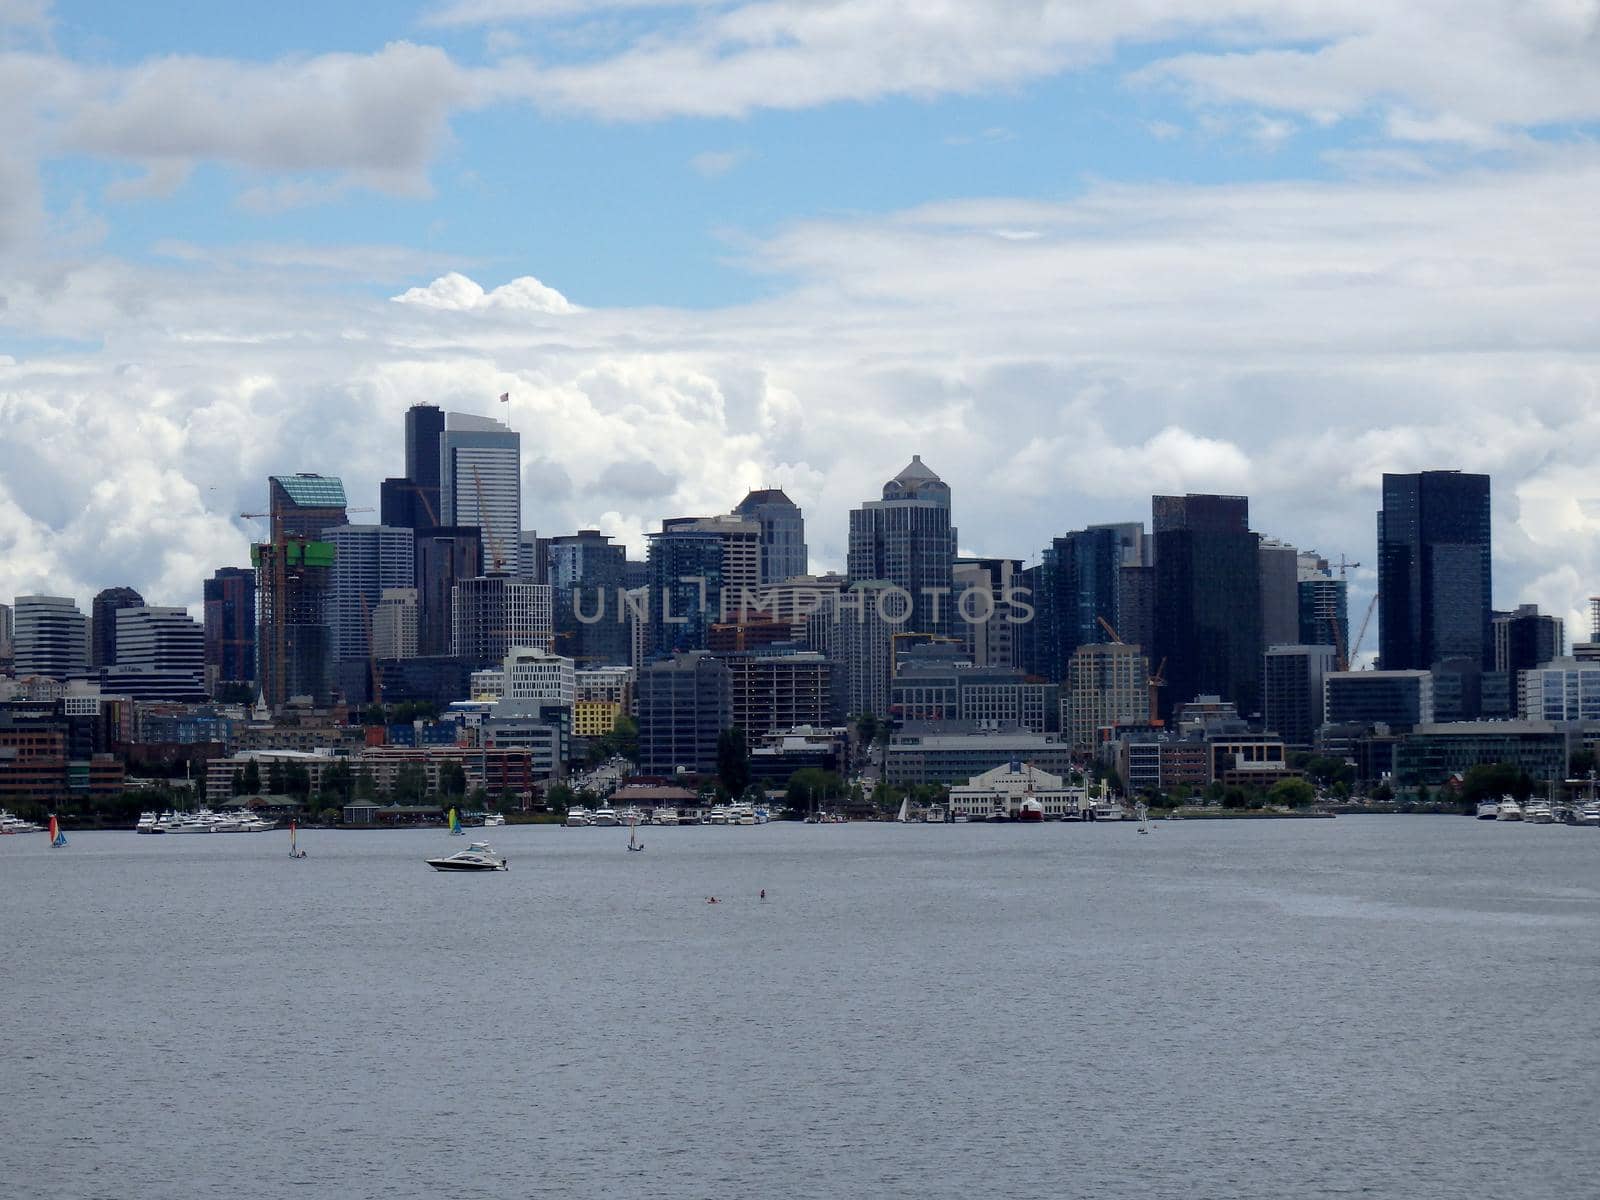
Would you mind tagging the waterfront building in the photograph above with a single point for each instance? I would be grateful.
(1107, 685)
(230, 626)
(783, 533)
(49, 637)
(1434, 570)
(480, 485)
(685, 702)
(412, 500)
(1433, 754)
(1292, 690)
(906, 539)
(1002, 790)
(1208, 598)
(939, 754)
(1398, 699)
(1564, 689)
(103, 623)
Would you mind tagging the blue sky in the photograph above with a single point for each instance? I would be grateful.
(1071, 253)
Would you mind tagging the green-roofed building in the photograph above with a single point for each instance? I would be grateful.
(292, 588)
(304, 505)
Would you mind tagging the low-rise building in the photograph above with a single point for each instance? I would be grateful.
(1002, 791)
(942, 754)
(1431, 754)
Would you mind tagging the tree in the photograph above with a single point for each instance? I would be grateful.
(337, 782)
(733, 760)
(1383, 793)
(453, 779)
(560, 798)
(366, 785)
(252, 778)
(373, 715)
(275, 777)
(811, 785)
(238, 782)
(1291, 793)
(410, 783)
(1490, 781)
(234, 692)
(297, 781)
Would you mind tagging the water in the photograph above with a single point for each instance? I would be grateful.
(1368, 1006)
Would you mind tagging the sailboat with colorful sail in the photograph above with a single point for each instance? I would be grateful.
(294, 851)
(57, 838)
(455, 824)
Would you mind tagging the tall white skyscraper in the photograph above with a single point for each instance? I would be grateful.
(480, 484)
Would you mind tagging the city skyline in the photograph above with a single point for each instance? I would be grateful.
(1074, 265)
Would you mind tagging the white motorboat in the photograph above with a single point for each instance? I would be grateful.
(1589, 814)
(1488, 810)
(741, 814)
(666, 816)
(148, 823)
(493, 820)
(577, 818)
(717, 816)
(1510, 810)
(476, 857)
(11, 824)
(960, 818)
(1107, 810)
(192, 823)
(606, 817)
(1538, 812)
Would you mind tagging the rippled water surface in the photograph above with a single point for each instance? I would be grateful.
(1362, 1007)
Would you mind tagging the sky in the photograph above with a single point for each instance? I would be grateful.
(1073, 254)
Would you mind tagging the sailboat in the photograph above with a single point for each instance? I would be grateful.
(57, 838)
(455, 825)
(293, 851)
(1142, 811)
(904, 815)
(633, 834)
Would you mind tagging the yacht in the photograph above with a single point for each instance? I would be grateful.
(630, 815)
(256, 823)
(717, 816)
(1107, 810)
(222, 824)
(1538, 812)
(577, 818)
(1589, 814)
(665, 816)
(493, 820)
(476, 857)
(605, 817)
(11, 824)
(1488, 810)
(741, 814)
(1510, 810)
(149, 823)
(199, 822)
(763, 815)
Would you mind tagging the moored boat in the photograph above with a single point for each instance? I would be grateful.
(1488, 810)
(1510, 810)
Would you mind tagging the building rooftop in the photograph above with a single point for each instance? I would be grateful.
(312, 491)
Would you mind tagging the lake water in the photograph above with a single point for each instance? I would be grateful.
(1380, 1006)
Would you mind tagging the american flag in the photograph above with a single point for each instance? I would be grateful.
(505, 397)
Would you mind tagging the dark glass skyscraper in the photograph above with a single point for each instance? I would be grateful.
(103, 623)
(1077, 584)
(412, 501)
(1208, 600)
(230, 637)
(783, 533)
(585, 573)
(1434, 574)
(906, 539)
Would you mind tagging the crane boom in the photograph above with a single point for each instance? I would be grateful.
(1362, 636)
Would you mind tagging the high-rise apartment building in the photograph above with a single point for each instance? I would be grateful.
(585, 573)
(1208, 599)
(906, 539)
(685, 702)
(103, 623)
(1435, 578)
(230, 626)
(1107, 684)
(495, 614)
(367, 561)
(700, 570)
(1322, 605)
(480, 484)
(1280, 592)
(783, 533)
(293, 578)
(852, 628)
(1292, 678)
(989, 618)
(394, 624)
(49, 637)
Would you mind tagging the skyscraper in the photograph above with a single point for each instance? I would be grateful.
(161, 654)
(103, 623)
(367, 560)
(585, 571)
(906, 539)
(1208, 599)
(293, 576)
(1292, 687)
(412, 501)
(1076, 586)
(1322, 605)
(1435, 578)
(783, 533)
(480, 484)
(445, 555)
(700, 570)
(1280, 593)
(494, 614)
(48, 636)
(230, 625)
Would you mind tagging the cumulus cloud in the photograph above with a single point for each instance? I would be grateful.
(454, 292)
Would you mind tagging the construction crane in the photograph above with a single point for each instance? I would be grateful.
(372, 653)
(1157, 681)
(1106, 625)
(1345, 565)
(1341, 658)
(1362, 636)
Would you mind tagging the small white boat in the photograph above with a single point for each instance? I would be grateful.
(960, 818)
(1030, 810)
(1538, 812)
(148, 824)
(903, 816)
(492, 820)
(606, 817)
(1510, 810)
(666, 816)
(1488, 810)
(577, 818)
(1589, 814)
(476, 857)
(934, 816)
(717, 816)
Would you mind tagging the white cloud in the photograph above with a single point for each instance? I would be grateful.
(1289, 341)
(714, 163)
(456, 293)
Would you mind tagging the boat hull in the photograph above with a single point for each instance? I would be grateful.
(440, 864)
